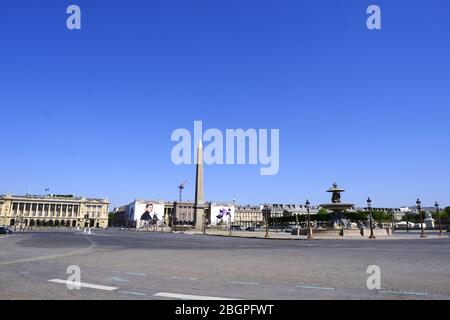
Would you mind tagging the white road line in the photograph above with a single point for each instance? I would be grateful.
(136, 274)
(405, 292)
(84, 285)
(243, 282)
(134, 293)
(188, 296)
(118, 279)
(185, 278)
(315, 287)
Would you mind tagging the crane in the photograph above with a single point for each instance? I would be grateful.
(181, 187)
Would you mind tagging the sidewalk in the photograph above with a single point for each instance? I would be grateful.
(288, 236)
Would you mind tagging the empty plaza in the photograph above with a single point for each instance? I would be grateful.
(122, 264)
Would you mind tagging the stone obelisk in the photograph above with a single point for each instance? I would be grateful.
(199, 209)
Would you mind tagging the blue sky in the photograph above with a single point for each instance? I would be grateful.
(91, 112)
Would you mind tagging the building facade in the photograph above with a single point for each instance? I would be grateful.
(53, 210)
(249, 216)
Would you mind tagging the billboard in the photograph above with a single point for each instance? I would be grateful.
(148, 213)
(221, 213)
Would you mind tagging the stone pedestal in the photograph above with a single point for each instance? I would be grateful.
(199, 212)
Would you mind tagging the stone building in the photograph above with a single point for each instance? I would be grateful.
(248, 216)
(53, 210)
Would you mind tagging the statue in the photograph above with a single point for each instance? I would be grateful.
(336, 197)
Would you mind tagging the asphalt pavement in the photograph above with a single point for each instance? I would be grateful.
(121, 264)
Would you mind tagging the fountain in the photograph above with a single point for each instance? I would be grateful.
(336, 207)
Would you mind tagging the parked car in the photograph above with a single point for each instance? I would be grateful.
(288, 230)
(5, 230)
(237, 228)
(250, 229)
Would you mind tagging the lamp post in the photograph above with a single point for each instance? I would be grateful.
(229, 216)
(392, 221)
(183, 221)
(369, 205)
(204, 223)
(266, 216)
(439, 217)
(422, 232)
(407, 222)
(296, 224)
(310, 233)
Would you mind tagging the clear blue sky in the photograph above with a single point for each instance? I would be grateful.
(91, 112)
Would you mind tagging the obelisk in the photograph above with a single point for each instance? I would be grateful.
(199, 208)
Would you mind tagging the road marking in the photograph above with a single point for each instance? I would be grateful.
(315, 287)
(405, 292)
(83, 251)
(118, 279)
(136, 274)
(186, 278)
(84, 285)
(134, 293)
(188, 296)
(243, 282)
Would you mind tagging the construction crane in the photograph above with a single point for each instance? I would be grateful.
(180, 188)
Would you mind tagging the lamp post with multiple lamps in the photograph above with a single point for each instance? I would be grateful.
(369, 205)
(419, 208)
(266, 217)
(407, 222)
(204, 223)
(439, 217)
(310, 232)
(392, 221)
(229, 216)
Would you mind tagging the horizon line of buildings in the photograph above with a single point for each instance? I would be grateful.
(173, 213)
(71, 211)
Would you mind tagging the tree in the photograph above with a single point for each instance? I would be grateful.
(357, 215)
(381, 216)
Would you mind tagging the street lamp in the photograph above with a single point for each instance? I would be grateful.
(310, 234)
(369, 205)
(422, 233)
(229, 216)
(439, 217)
(392, 221)
(266, 216)
(407, 222)
(204, 223)
(296, 224)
